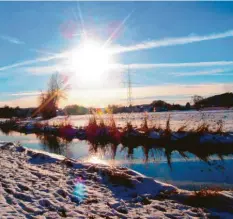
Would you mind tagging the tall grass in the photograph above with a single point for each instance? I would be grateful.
(220, 127)
(167, 130)
(144, 126)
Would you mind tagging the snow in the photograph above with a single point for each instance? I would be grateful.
(36, 184)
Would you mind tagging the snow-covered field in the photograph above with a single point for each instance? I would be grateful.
(191, 118)
(35, 184)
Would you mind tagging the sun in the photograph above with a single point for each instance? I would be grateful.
(89, 63)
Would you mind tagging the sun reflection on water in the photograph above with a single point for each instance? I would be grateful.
(96, 159)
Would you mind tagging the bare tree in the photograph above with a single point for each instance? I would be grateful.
(196, 99)
(49, 100)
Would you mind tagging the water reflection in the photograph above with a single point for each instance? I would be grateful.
(131, 151)
(181, 165)
(54, 144)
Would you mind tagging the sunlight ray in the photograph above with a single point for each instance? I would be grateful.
(109, 40)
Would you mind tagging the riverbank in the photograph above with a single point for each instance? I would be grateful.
(105, 132)
(35, 184)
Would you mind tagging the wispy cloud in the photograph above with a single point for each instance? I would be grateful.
(208, 72)
(50, 69)
(11, 39)
(28, 93)
(33, 93)
(33, 61)
(172, 41)
(173, 65)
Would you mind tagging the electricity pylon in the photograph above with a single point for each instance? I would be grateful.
(129, 90)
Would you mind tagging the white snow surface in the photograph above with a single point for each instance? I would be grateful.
(36, 184)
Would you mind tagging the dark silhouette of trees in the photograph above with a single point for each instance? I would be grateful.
(9, 112)
(187, 106)
(221, 100)
(76, 110)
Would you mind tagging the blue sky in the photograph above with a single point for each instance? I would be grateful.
(174, 49)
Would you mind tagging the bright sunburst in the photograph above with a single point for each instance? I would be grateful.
(89, 63)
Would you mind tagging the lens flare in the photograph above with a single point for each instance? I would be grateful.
(79, 189)
(68, 29)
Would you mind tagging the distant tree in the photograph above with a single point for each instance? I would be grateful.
(114, 108)
(76, 110)
(196, 99)
(187, 106)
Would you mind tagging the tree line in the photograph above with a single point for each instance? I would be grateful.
(58, 87)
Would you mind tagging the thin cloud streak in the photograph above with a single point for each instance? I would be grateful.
(173, 65)
(46, 69)
(31, 93)
(25, 94)
(172, 42)
(11, 39)
(33, 61)
(198, 73)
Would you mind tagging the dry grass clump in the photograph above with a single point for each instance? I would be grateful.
(113, 175)
(207, 192)
(220, 127)
(113, 130)
(182, 128)
(210, 198)
(168, 130)
(203, 128)
(102, 131)
(144, 126)
(91, 128)
(128, 127)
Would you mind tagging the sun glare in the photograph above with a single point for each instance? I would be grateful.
(89, 63)
(96, 160)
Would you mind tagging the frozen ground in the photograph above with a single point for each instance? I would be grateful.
(35, 184)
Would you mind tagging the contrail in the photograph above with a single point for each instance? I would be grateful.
(33, 61)
(11, 39)
(208, 72)
(173, 65)
(172, 42)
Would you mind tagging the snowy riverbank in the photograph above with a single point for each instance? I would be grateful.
(36, 184)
